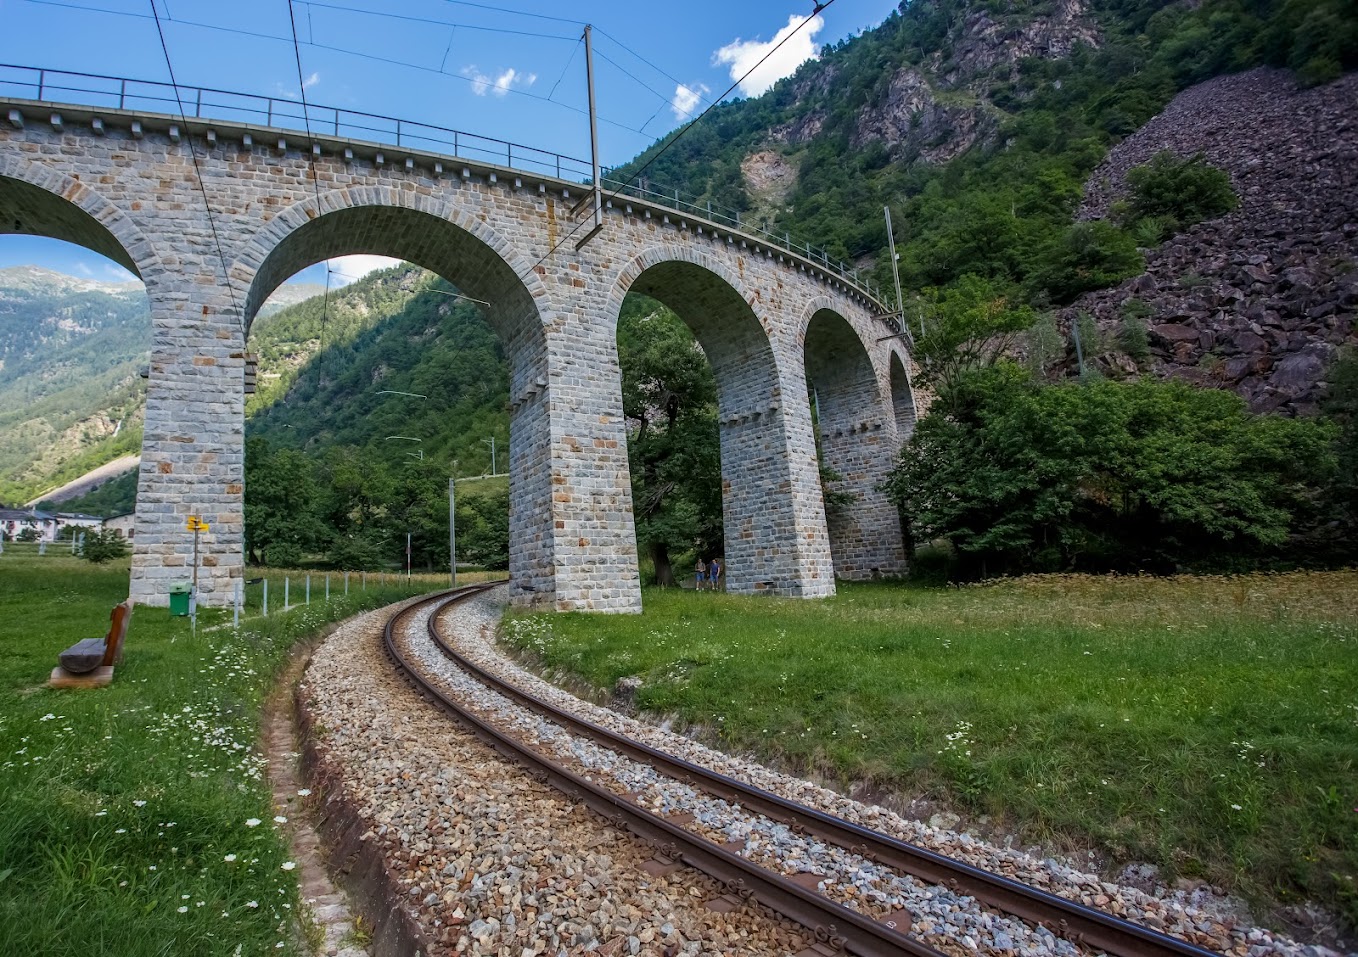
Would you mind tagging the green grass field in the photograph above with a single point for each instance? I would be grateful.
(126, 813)
(1207, 725)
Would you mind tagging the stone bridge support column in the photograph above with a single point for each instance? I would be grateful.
(193, 447)
(776, 540)
(594, 536)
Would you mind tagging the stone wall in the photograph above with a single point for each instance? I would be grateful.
(502, 237)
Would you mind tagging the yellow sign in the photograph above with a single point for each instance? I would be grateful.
(196, 524)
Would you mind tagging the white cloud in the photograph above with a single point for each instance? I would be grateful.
(741, 55)
(311, 81)
(499, 85)
(686, 98)
(347, 269)
(84, 270)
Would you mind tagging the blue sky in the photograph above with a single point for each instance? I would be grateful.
(513, 70)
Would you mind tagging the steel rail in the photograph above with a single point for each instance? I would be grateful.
(1083, 925)
(831, 924)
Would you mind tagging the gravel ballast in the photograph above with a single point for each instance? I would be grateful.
(489, 860)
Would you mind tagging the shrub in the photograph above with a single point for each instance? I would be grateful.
(1133, 337)
(103, 546)
(1176, 193)
(1106, 476)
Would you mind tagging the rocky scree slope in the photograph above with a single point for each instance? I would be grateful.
(1260, 300)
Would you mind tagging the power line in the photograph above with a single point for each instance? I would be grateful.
(520, 13)
(198, 172)
(335, 49)
(664, 98)
(311, 162)
(820, 5)
(446, 23)
(643, 59)
(574, 50)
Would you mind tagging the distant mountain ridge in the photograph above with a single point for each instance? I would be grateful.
(72, 353)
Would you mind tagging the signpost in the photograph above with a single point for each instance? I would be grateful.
(195, 525)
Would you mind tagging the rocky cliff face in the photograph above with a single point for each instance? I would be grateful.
(1260, 300)
(939, 109)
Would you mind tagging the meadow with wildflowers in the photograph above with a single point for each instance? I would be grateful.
(135, 819)
(1208, 725)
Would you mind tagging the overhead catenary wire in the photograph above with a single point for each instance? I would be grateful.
(198, 171)
(311, 163)
(677, 137)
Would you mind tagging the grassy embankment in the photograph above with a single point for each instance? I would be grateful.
(125, 813)
(1207, 725)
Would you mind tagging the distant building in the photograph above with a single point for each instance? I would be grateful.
(14, 522)
(78, 520)
(122, 524)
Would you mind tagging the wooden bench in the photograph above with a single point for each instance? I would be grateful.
(89, 663)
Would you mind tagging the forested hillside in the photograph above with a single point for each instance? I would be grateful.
(979, 123)
(70, 391)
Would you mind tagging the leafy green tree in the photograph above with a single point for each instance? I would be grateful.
(669, 398)
(964, 326)
(483, 528)
(1177, 193)
(1019, 477)
(282, 504)
(103, 546)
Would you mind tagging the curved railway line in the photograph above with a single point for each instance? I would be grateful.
(834, 926)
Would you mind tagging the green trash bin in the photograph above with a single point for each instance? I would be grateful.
(180, 592)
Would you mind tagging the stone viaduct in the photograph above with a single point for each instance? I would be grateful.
(773, 325)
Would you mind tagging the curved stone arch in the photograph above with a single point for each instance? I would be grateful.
(254, 259)
(774, 525)
(622, 280)
(901, 390)
(857, 442)
(97, 223)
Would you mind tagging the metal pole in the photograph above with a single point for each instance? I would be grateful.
(407, 556)
(308, 588)
(287, 581)
(492, 455)
(327, 586)
(266, 598)
(895, 269)
(195, 558)
(346, 583)
(452, 532)
(593, 129)
(900, 300)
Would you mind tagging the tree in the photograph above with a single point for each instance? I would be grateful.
(966, 325)
(1176, 193)
(1017, 476)
(669, 398)
(103, 546)
(282, 504)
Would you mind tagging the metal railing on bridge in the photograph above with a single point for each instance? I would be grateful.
(97, 90)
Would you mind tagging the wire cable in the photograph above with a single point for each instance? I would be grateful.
(198, 171)
(678, 136)
(342, 50)
(311, 163)
(574, 50)
(429, 20)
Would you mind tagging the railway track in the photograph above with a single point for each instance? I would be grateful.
(679, 839)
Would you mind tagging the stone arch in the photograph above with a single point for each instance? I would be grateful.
(461, 248)
(857, 443)
(38, 201)
(774, 527)
(902, 394)
(440, 236)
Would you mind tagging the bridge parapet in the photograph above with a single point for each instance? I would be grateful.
(141, 105)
